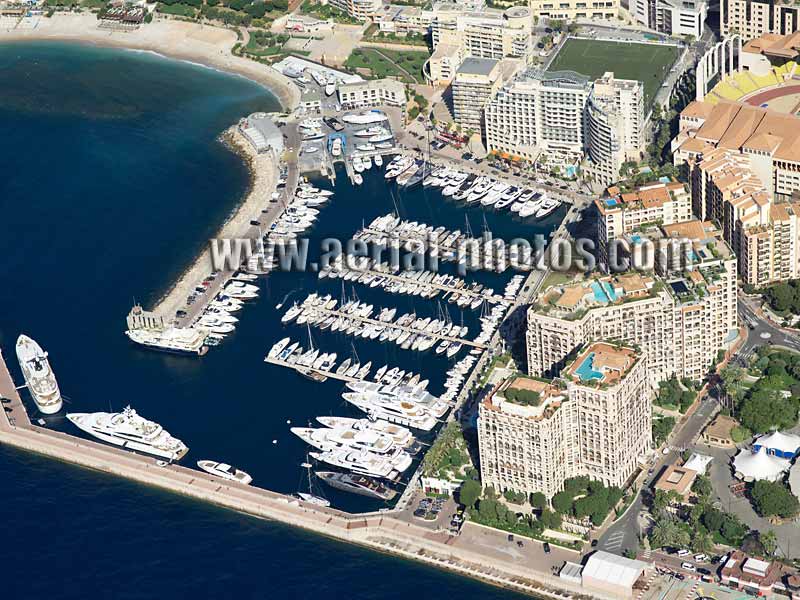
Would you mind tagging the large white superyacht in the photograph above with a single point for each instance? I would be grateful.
(38, 375)
(413, 393)
(364, 463)
(388, 408)
(129, 430)
(323, 438)
(176, 340)
(401, 436)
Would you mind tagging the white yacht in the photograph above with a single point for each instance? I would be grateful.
(224, 471)
(324, 439)
(132, 432)
(402, 412)
(365, 118)
(177, 340)
(401, 436)
(364, 463)
(39, 377)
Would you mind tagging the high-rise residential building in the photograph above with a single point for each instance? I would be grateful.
(679, 317)
(539, 112)
(764, 234)
(575, 9)
(754, 18)
(614, 126)
(674, 17)
(360, 9)
(458, 32)
(476, 81)
(594, 421)
(768, 138)
(625, 212)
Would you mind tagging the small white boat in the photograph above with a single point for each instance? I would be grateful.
(378, 160)
(224, 471)
(358, 179)
(310, 149)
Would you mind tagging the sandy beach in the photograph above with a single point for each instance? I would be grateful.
(202, 44)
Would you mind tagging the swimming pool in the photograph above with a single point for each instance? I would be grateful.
(586, 370)
(599, 293)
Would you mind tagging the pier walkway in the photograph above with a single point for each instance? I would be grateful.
(300, 369)
(446, 289)
(324, 312)
(382, 532)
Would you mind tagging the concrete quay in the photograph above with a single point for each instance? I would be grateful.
(384, 532)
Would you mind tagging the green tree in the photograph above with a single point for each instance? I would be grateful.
(773, 499)
(702, 541)
(765, 409)
(538, 500)
(562, 502)
(769, 541)
(550, 519)
(702, 487)
(668, 533)
(469, 492)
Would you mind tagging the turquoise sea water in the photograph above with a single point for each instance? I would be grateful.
(111, 179)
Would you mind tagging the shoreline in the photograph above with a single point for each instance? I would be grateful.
(202, 45)
(263, 170)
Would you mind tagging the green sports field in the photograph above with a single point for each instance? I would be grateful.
(649, 63)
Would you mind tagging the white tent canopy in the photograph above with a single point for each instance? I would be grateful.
(759, 465)
(613, 569)
(785, 442)
(698, 462)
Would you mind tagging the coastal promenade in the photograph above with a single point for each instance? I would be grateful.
(383, 532)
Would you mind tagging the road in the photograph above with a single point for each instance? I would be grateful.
(762, 331)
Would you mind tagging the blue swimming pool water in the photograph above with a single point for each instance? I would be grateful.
(609, 289)
(636, 239)
(599, 293)
(586, 369)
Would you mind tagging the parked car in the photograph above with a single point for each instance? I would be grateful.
(687, 566)
(546, 548)
(683, 552)
(700, 558)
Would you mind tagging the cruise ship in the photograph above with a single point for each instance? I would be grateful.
(38, 375)
(177, 340)
(132, 432)
(363, 463)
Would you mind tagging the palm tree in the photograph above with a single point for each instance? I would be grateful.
(703, 542)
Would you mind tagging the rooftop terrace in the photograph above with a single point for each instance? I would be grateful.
(602, 362)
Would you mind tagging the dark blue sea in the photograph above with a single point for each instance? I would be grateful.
(112, 178)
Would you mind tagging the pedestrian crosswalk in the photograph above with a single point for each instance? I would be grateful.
(614, 542)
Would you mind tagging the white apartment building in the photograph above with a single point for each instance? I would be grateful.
(614, 126)
(458, 32)
(570, 10)
(539, 112)
(476, 81)
(674, 17)
(593, 422)
(625, 212)
(754, 18)
(764, 234)
(372, 93)
(360, 9)
(679, 320)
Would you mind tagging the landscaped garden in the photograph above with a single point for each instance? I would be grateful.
(405, 66)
